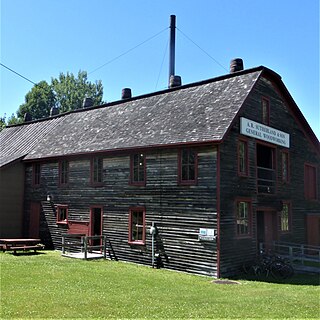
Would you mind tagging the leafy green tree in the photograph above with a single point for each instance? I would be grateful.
(14, 120)
(66, 92)
(70, 91)
(2, 122)
(38, 101)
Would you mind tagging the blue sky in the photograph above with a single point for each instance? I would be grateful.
(41, 38)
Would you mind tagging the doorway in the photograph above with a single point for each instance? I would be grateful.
(266, 228)
(265, 169)
(313, 230)
(34, 222)
(96, 224)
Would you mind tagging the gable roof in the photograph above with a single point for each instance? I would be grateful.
(194, 113)
(17, 141)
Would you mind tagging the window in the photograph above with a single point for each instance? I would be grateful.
(285, 166)
(63, 172)
(138, 169)
(265, 111)
(243, 218)
(243, 158)
(284, 218)
(137, 228)
(97, 171)
(188, 171)
(36, 174)
(62, 214)
(310, 182)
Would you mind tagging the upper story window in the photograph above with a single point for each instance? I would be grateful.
(138, 169)
(97, 171)
(243, 218)
(188, 167)
(243, 161)
(63, 172)
(285, 166)
(284, 218)
(265, 111)
(137, 226)
(36, 174)
(310, 182)
(62, 214)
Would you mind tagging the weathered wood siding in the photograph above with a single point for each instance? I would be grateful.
(11, 200)
(177, 211)
(234, 250)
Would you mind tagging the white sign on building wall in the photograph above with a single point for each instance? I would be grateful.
(262, 132)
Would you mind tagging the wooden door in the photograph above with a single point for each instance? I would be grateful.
(266, 228)
(313, 230)
(270, 231)
(34, 222)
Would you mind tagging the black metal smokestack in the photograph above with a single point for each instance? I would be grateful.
(172, 45)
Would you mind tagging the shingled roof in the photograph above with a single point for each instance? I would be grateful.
(199, 112)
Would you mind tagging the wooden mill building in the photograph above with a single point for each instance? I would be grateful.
(218, 166)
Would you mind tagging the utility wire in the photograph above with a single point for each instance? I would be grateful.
(216, 61)
(164, 55)
(20, 75)
(119, 56)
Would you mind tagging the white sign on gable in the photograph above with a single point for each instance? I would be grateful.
(261, 131)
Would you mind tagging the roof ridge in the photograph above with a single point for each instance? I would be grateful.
(151, 94)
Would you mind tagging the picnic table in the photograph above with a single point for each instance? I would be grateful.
(20, 245)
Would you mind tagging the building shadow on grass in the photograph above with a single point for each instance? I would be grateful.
(27, 253)
(311, 279)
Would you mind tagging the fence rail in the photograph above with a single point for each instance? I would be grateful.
(84, 244)
(296, 252)
(266, 180)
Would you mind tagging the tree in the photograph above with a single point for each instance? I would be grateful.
(2, 122)
(66, 92)
(38, 101)
(70, 91)
(14, 120)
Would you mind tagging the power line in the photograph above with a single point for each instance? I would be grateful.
(164, 55)
(122, 54)
(216, 61)
(20, 75)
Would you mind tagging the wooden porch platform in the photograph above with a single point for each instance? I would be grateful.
(81, 255)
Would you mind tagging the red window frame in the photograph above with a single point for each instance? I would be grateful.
(36, 174)
(284, 226)
(243, 158)
(187, 167)
(59, 209)
(96, 169)
(139, 227)
(265, 110)
(310, 182)
(240, 221)
(285, 166)
(138, 169)
(63, 173)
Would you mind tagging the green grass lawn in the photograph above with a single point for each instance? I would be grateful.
(50, 286)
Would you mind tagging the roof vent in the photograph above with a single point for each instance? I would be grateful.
(54, 111)
(87, 103)
(175, 81)
(126, 93)
(236, 65)
(27, 117)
